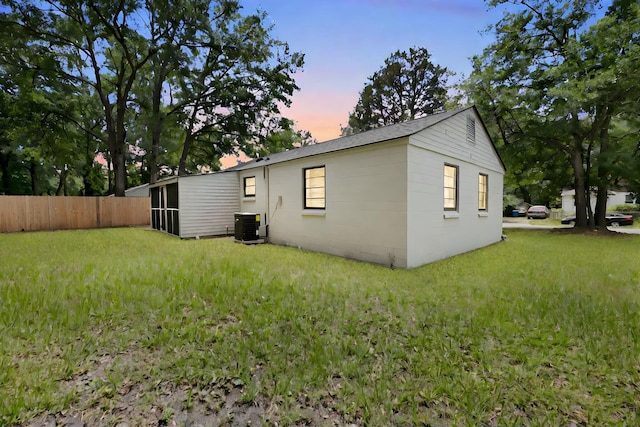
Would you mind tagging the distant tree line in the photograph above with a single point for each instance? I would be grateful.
(147, 87)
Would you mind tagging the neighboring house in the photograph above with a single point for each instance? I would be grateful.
(194, 206)
(402, 195)
(139, 191)
(617, 197)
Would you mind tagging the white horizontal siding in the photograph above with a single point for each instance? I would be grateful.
(139, 191)
(365, 215)
(431, 236)
(449, 138)
(207, 204)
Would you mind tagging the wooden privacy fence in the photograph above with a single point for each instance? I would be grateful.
(31, 213)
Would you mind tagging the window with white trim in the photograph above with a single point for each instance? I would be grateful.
(314, 188)
(450, 187)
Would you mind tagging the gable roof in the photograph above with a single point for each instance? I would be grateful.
(372, 136)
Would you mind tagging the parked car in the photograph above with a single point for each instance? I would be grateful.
(614, 219)
(538, 211)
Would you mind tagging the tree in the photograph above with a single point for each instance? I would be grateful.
(408, 86)
(198, 66)
(281, 140)
(549, 89)
(232, 102)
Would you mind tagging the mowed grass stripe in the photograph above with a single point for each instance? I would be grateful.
(541, 329)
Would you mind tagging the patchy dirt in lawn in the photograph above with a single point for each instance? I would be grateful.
(101, 404)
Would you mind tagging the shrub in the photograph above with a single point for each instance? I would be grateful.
(625, 207)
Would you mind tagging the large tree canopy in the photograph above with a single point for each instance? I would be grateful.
(557, 86)
(183, 81)
(408, 86)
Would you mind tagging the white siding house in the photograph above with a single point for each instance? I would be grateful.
(617, 197)
(195, 205)
(138, 191)
(402, 195)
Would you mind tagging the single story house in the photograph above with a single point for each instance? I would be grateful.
(614, 197)
(402, 195)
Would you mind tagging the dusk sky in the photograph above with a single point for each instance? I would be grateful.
(346, 41)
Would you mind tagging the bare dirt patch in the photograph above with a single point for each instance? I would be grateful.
(102, 403)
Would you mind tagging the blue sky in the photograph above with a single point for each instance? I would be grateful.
(346, 41)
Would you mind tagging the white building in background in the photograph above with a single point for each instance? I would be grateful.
(617, 197)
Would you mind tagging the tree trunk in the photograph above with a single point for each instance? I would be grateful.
(158, 118)
(62, 183)
(578, 177)
(109, 174)
(603, 176)
(34, 177)
(526, 195)
(4, 169)
(578, 173)
(88, 166)
(118, 146)
(152, 163)
(182, 166)
(119, 171)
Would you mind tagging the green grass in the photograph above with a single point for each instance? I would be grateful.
(541, 329)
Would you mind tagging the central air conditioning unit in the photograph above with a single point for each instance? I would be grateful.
(247, 226)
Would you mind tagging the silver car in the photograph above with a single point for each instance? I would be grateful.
(538, 211)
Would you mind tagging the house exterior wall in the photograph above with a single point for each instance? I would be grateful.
(433, 232)
(139, 191)
(366, 195)
(258, 203)
(207, 204)
(569, 200)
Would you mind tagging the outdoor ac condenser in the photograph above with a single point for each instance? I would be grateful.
(247, 226)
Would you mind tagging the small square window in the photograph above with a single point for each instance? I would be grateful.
(250, 186)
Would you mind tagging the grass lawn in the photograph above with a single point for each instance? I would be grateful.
(134, 326)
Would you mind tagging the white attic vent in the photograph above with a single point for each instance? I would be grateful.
(471, 129)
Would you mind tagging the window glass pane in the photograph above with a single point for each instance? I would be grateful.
(482, 191)
(315, 182)
(315, 193)
(314, 188)
(450, 187)
(315, 203)
(250, 186)
(449, 204)
(315, 172)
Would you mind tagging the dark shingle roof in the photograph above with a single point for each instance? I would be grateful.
(373, 136)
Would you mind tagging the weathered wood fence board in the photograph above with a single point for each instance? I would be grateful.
(31, 213)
